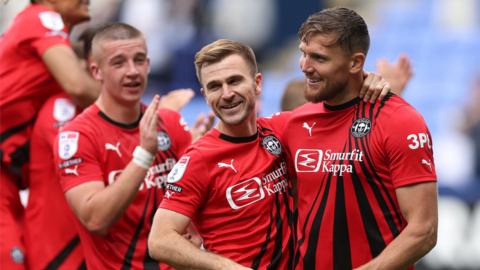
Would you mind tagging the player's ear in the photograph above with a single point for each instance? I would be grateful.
(258, 83)
(357, 60)
(202, 91)
(95, 71)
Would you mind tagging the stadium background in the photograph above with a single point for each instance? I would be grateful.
(441, 37)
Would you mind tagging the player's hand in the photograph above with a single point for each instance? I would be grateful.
(175, 100)
(149, 125)
(202, 125)
(374, 86)
(397, 74)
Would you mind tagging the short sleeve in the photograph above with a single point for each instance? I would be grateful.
(408, 146)
(187, 185)
(76, 159)
(46, 29)
(277, 122)
(177, 128)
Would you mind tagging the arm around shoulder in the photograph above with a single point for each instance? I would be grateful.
(64, 65)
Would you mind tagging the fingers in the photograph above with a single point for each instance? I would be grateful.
(366, 82)
(149, 125)
(369, 84)
(385, 90)
(202, 125)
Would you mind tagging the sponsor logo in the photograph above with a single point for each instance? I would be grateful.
(164, 141)
(73, 171)
(156, 175)
(67, 144)
(255, 189)
(427, 163)
(63, 110)
(245, 193)
(419, 140)
(174, 188)
(17, 255)
(361, 127)
(315, 160)
(115, 148)
(227, 165)
(70, 162)
(308, 160)
(178, 170)
(309, 128)
(272, 145)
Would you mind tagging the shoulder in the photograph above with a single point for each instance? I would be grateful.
(86, 122)
(395, 108)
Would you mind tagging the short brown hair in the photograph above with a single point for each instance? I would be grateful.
(219, 50)
(350, 28)
(114, 31)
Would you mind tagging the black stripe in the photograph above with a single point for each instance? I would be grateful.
(309, 260)
(127, 261)
(58, 260)
(11, 131)
(82, 266)
(341, 242)
(148, 262)
(375, 182)
(263, 249)
(374, 236)
(277, 249)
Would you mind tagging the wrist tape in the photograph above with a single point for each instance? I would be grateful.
(142, 157)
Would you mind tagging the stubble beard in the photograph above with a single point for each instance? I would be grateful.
(325, 93)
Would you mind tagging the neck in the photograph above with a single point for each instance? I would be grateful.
(351, 91)
(245, 129)
(122, 113)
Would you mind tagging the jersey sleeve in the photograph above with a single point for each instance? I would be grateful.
(46, 29)
(408, 146)
(177, 128)
(187, 185)
(76, 158)
(276, 122)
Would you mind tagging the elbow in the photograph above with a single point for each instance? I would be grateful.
(97, 228)
(427, 237)
(157, 248)
(431, 238)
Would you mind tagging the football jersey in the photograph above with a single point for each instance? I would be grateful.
(236, 192)
(34, 30)
(94, 147)
(51, 238)
(348, 160)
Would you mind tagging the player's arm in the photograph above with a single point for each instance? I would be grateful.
(97, 206)
(64, 65)
(166, 244)
(418, 204)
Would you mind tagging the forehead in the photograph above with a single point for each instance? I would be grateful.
(319, 41)
(231, 65)
(112, 48)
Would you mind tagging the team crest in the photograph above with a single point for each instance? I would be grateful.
(17, 255)
(361, 127)
(164, 141)
(272, 145)
(67, 144)
(178, 170)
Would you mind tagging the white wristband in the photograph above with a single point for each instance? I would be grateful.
(142, 157)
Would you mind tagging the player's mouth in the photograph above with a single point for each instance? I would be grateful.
(313, 81)
(132, 85)
(231, 107)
